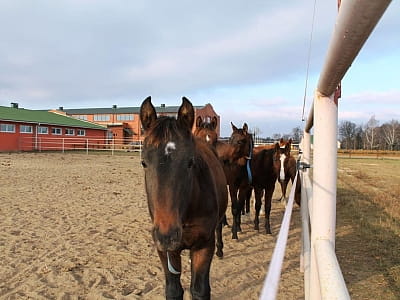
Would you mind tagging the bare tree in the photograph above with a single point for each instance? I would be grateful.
(391, 132)
(370, 132)
(347, 133)
(296, 134)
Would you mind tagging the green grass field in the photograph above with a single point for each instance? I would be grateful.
(368, 226)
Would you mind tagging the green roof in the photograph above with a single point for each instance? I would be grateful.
(43, 118)
(121, 110)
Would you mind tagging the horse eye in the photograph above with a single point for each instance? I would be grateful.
(190, 163)
(143, 164)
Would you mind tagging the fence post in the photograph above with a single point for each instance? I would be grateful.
(62, 145)
(323, 220)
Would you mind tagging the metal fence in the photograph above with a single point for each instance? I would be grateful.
(323, 278)
(86, 144)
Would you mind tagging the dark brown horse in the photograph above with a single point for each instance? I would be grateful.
(264, 164)
(234, 157)
(186, 194)
(287, 170)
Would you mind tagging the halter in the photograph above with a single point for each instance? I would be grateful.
(249, 175)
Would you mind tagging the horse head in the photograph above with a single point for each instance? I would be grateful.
(168, 160)
(242, 140)
(284, 154)
(207, 131)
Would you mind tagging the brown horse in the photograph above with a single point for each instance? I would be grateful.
(233, 156)
(287, 170)
(187, 197)
(264, 167)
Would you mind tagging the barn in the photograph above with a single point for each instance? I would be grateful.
(35, 130)
(124, 122)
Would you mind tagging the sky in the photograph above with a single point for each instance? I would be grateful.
(248, 59)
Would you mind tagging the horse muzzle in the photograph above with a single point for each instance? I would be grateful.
(167, 241)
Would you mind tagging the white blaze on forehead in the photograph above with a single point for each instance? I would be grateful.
(208, 138)
(282, 172)
(169, 147)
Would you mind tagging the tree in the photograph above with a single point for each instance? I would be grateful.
(370, 132)
(391, 132)
(296, 133)
(347, 133)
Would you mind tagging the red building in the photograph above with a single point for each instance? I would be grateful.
(124, 122)
(29, 130)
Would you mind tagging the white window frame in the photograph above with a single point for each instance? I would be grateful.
(125, 117)
(81, 132)
(23, 129)
(101, 118)
(81, 117)
(69, 131)
(7, 128)
(56, 131)
(40, 130)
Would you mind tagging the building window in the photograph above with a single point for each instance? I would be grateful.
(7, 128)
(103, 118)
(81, 132)
(43, 130)
(69, 131)
(56, 131)
(25, 128)
(125, 117)
(81, 117)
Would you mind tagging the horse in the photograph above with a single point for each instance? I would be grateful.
(233, 157)
(264, 170)
(287, 170)
(186, 195)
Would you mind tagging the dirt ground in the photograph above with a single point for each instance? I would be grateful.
(76, 226)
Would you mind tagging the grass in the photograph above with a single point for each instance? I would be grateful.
(368, 227)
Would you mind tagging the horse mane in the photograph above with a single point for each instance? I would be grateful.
(163, 130)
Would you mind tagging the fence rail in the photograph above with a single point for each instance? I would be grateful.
(323, 278)
(87, 144)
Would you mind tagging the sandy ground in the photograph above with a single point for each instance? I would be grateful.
(76, 226)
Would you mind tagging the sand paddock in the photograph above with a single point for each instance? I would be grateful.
(76, 226)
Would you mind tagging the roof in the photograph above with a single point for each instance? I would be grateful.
(43, 117)
(121, 110)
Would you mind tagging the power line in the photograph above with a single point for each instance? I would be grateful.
(308, 60)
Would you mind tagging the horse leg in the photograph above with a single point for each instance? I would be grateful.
(235, 210)
(258, 196)
(224, 221)
(220, 243)
(248, 200)
(200, 266)
(268, 200)
(243, 192)
(173, 287)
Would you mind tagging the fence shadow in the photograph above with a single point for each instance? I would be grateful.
(367, 250)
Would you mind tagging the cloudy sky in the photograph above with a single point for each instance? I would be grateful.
(247, 58)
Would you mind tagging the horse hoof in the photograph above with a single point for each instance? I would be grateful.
(234, 237)
(256, 227)
(220, 254)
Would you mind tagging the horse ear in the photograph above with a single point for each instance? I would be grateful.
(287, 149)
(277, 147)
(148, 113)
(234, 128)
(198, 121)
(214, 123)
(281, 141)
(245, 128)
(186, 114)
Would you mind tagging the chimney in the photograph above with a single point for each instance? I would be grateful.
(163, 105)
(114, 106)
(61, 108)
(14, 105)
